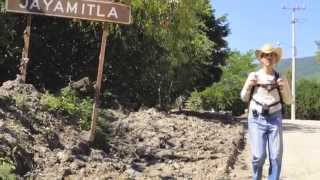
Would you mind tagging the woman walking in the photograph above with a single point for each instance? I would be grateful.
(266, 91)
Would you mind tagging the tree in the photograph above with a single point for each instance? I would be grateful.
(10, 43)
(318, 51)
(308, 101)
(225, 95)
(171, 48)
(172, 52)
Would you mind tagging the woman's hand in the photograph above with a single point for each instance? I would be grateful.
(280, 83)
(253, 81)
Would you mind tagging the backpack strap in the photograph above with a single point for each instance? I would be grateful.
(251, 93)
(252, 90)
(276, 77)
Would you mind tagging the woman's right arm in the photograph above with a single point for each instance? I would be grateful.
(246, 90)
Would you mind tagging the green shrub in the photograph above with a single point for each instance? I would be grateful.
(68, 102)
(222, 96)
(50, 102)
(194, 102)
(21, 101)
(225, 95)
(85, 110)
(308, 99)
(6, 170)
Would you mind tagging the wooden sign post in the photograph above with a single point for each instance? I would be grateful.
(93, 10)
(25, 51)
(98, 84)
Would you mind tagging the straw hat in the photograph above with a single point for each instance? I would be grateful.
(268, 48)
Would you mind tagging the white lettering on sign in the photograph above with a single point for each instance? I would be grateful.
(99, 10)
(82, 12)
(47, 4)
(113, 12)
(59, 7)
(24, 6)
(35, 4)
(72, 9)
(91, 6)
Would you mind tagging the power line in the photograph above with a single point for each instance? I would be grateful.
(293, 10)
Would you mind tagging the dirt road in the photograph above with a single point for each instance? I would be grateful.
(301, 158)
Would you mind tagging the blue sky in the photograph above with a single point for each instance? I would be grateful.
(255, 22)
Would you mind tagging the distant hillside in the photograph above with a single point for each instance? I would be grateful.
(306, 67)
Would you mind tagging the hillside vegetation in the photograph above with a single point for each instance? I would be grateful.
(306, 68)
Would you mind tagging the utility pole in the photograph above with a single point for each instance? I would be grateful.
(294, 48)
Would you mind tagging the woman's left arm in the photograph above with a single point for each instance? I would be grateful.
(285, 90)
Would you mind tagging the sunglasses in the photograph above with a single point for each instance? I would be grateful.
(268, 55)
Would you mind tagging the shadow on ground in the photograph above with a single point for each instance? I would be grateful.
(297, 126)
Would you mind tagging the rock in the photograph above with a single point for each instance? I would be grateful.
(82, 147)
(82, 172)
(133, 173)
(96, 155)
(42, 149)
(65, 156)
(83, 85)
(23, 160)
(8, 85)
(15, 87)
(11, 140)
(164, 154)
(4, 148)
(77, 164)
(2, 125)
(53, 140)
(140, 151)
(175, 165)
(66, 172)
(138, 166)
(51, 161)
(244, 167)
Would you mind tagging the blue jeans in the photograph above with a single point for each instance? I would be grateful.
(265, 132)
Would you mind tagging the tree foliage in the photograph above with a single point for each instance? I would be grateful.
(308, 99)
(318, 51)
(225, 95)
(172, 48)
(68, 103)
(318, 56)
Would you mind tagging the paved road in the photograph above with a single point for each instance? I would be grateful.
(301, 158)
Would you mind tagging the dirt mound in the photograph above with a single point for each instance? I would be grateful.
(169, 146)
(142, 145)
(44, 145)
